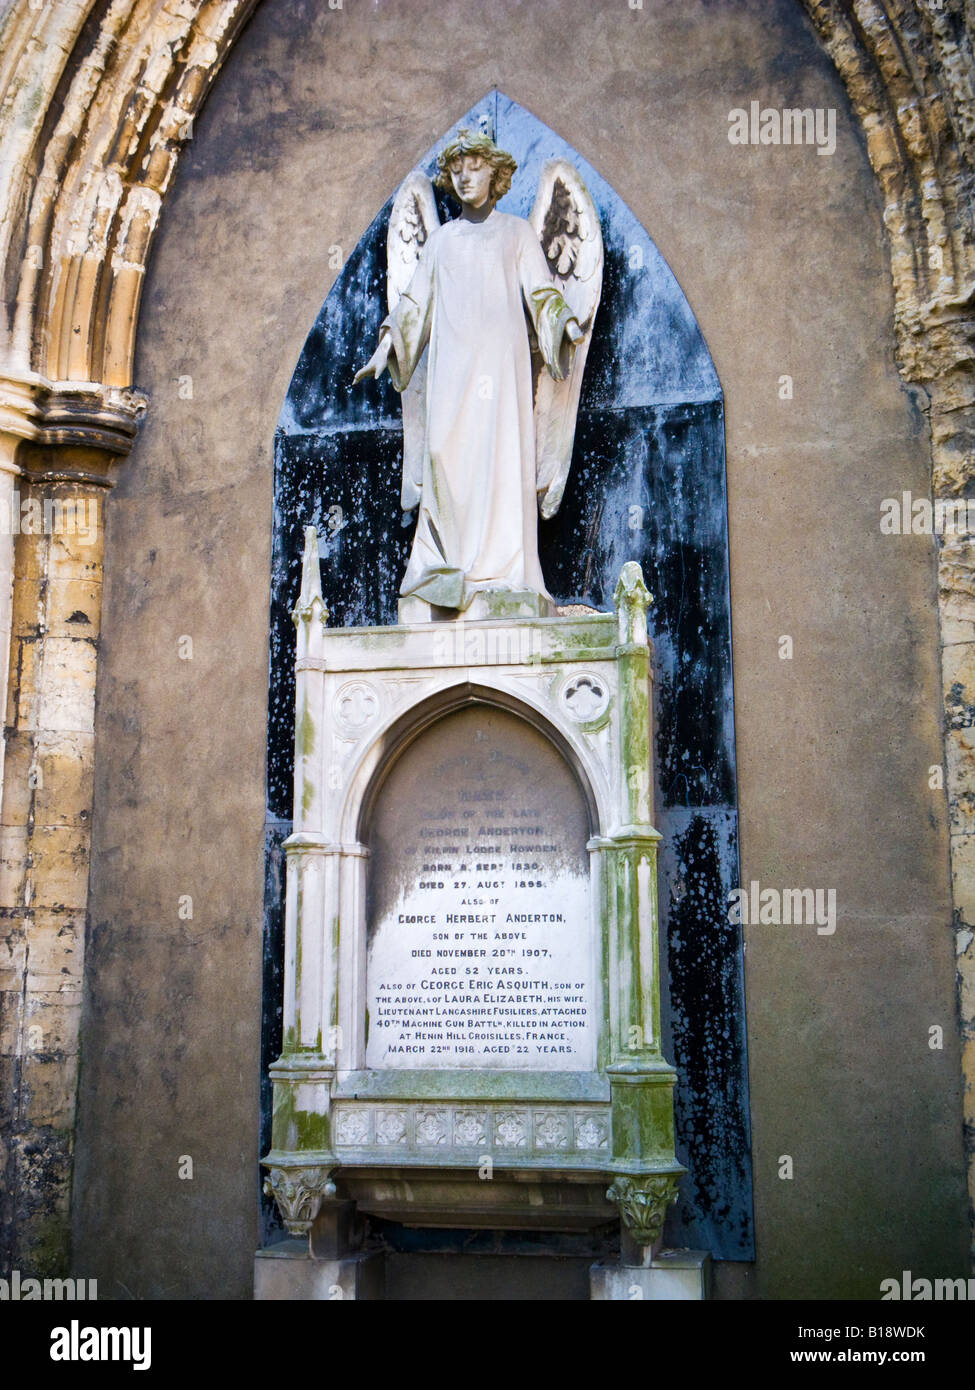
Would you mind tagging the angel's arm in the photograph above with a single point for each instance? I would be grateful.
(407, 326)
(566, 223)
(405, 331)
(556, 327)
(377, 362)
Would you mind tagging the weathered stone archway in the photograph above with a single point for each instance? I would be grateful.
(910, 75)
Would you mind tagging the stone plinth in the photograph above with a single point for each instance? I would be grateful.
(288, 1273)
(672, 1276)
(472, 1001)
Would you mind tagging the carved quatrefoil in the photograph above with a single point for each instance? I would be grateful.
(585, 697)
(356, 706)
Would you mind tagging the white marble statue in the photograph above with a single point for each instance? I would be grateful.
(486, 439)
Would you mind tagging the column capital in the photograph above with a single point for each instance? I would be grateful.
(643, 1199)
(299, 1188)
(72, 416)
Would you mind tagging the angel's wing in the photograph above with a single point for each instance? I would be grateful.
(413, 218)
(566, 222)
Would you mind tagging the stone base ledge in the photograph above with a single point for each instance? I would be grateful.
(672, 1276)
(286, 1272)
(488, 603)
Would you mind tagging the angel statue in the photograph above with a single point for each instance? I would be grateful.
(489, 323)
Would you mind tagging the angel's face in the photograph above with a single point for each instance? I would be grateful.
(472, 177)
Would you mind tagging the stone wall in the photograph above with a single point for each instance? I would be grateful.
(786, 258)
(781, 253)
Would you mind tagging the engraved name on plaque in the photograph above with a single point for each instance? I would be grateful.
(480, 941)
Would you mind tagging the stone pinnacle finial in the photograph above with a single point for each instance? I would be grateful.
(632, 599)
(311, 580)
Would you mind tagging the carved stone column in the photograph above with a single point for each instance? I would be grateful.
(641, 1080)
(60, 450)
(952, 415)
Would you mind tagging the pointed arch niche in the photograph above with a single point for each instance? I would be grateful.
(647, 484)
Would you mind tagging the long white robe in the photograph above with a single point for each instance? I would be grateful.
(477, 526)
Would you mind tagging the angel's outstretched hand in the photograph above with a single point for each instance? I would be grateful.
(377, 362)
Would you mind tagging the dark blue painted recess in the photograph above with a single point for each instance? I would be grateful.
(648, 484)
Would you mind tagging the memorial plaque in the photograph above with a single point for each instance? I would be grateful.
(443, 907)
(481, 947)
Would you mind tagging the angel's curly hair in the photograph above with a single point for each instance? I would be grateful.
(501, 161)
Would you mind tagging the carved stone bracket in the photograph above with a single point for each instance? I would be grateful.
(643, 1203)
(69, 431)
(299, 1193)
